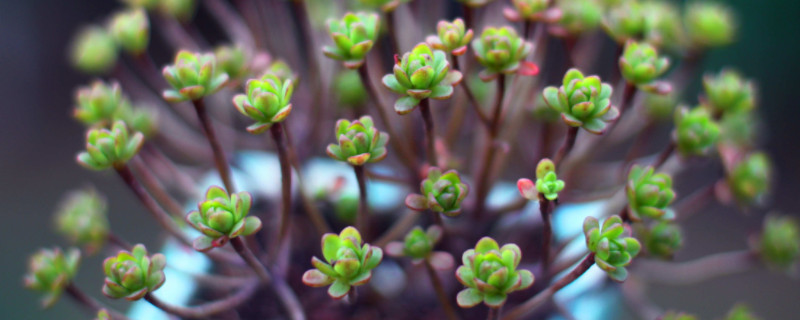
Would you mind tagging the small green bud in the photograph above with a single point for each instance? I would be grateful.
(81, 217)
(530, 10)
(349, 88)
(649, 194)
(625, 22)
(640, 63)
(547, 183)
(133, 274)
(385, 5)
(662, 24)
(146, 4)
(141, 119)
(359, 142)
(779, 244)
(50, 271)
(349, 263)
(660, 107)
(110, 148)
(739, 128)
(582, 101)
(193, 76)
(221, 217)
(97, 105)
(695, 133)
(267, 101)
(102, 314)
(675, 315)
(612, 245)
(749, 180)
(501, 51)
(93, 51)
(543, 112)
(441, 192)
(418, 244)
(475, 3)
(663, 239)
(422, 73)
(490, 273)
(709, 24)
(451, 37)
(580, 16)
(232, 60)
(131, 30)
(346, 208)
(729, 92)
(283, 71)
(354, 36)
(741, 312)
(182, 10)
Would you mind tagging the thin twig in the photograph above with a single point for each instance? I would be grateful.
(90, 303)
(207, 309)
(430, 132)
(547, 232)
(362, 219)
(219, 154)
(664, 155)
(286, 185)
(484, 175)
(440, 293)
(156, 188)
(569, 142)
(690, 272)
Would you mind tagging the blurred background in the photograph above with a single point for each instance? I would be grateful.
(39, 142)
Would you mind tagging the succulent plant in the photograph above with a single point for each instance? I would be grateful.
(384, 5)
(267, 101)
(696, 133)
(709, 24)
(93, 51)
(662, 239)
(728, 92)
(530, 10)
(501, 51)
(779, 243)
(649, 194)
(612, 245)
(580, 16)
(583, 102)
(102, 314)
(133, 274)
(349, 88)
(422, 73)
(146, 4)
(50, 271)
(349, 263)
(441, 192)
(81, 217)
(452, 37)
(140, 119)
(749, 180)
(110, 148)
(547, 183)
(418, 245)
(741, 311)
(660, 107)
(625, 22)
(221, 217)
(640, 63)
(98, 104)
(662, 24)
(283, 71)
(131, 30)
(490, 273)
(675, 315)
(475, 3)
(233, 61)
(359, 142)
(182, 10)
(193, 76)
(353, 36)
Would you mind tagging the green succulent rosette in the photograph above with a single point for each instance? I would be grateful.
(110, 148)
(347, 263)
(221, 217)
(696, 132)
(709, 24)
(490, 273)
(529, 10)
(133, 274)
(141, 119)
(582, 101)
(676, 315)
(82, 218)
(625, 22)
(475, 3)
(182, 10)
(547, 182)
(102, 314)
(779, 242)
(233, 61)
(93, 51)
(418, 243)
(349, 89)
(422, 73)
(641, 65)
(649, 194)
(441, 192)
(384, 5)
(741, 311)
(131, 30)
(452, 37)
(613, 247)
(353, 37)
(728, 92)
(359, 142)
(660, 107)
(749, 180)
(579, 16)
(501, 51)
(193, 76)
(98, 104)
(267, 101)
(662, 24)
(662, 239)
(50, 271)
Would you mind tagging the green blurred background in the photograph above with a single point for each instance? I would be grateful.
(39, 141)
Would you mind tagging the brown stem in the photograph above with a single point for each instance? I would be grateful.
(690, 272)
(484, 176)
(531, 304)
(90, 303)
(664, 155)
(391, 31)
(547, 232)
(398, 229)
(470, 96)
(430, 132)
(440, 293)
(119, 242)
(308, 204)
(219, 154)
(569, 142)
(286, 184)
(494, 313)
(694, 202)
(250, 258)
(498, 106)
(207, 309)
(627, 97)
(362, 222)
(157, 189)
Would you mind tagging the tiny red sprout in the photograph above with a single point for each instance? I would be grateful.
(528, 69)
(527, 189)
(396, 59)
